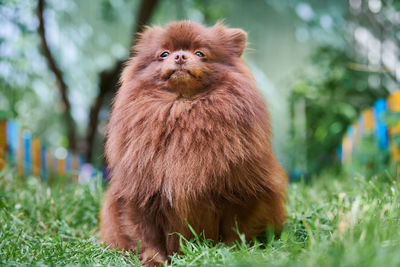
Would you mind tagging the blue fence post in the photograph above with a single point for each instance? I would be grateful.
(27, 153)
(31, 157)
(68, 163)
(43, 162)
(381, 131)
(12, 139)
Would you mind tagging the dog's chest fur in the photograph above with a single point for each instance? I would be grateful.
(188, 147)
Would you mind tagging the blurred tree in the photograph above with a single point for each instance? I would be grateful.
(62, 86)
(332, 99)
(84, 45)
(108, 78)
(108, 81)
(21, 71)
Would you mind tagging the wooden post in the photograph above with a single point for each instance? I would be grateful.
(75, 168)
(368, 117)
(36, 157)
(49, 161)
(348, 145)
(393, 103)
(61, 166)
(61, 156)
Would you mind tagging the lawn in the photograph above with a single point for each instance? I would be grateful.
(333, 221)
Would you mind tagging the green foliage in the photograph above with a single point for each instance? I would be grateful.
(368, 158)
(5, 114)
(391, 118)
(334, 221)
(333, 98)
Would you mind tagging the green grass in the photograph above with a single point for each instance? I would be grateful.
(347, 221)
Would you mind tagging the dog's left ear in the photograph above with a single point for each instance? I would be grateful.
(237, 39)
(233, 39)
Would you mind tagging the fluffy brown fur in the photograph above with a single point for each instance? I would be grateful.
(189, 142)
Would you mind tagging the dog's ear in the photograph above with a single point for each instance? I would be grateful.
(146, 37)
(234, 39)
(142, 53)
(237, 40)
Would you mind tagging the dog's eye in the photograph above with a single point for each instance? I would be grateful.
(200, 54)
(164, 54)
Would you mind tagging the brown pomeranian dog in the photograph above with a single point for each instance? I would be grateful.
(189, 143)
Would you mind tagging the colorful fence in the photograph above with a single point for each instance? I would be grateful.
(30, 156)
(370, 122)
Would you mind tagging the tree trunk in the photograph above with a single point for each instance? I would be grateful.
(61, 85)
(109, 78)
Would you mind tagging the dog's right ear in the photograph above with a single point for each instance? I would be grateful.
(142, 53)
(146, 38)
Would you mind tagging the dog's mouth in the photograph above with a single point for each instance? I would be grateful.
(179, 74)
(184, 81)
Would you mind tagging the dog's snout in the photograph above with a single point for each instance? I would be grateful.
(180, 57)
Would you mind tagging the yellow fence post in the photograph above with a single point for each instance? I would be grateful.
(36, 157)
(394, 105)
(368, 118)
(49, 162)
(347, 148)
(61, 166)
